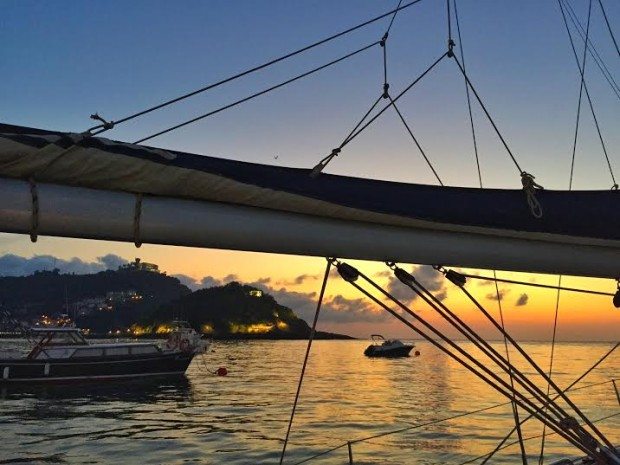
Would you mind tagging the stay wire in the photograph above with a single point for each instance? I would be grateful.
(600, 63)
(257, 94)
(582, 72)
(515, 410)
(318, 168)
(305, 363)
(540, 371)
(488, 115)
(568, 388)
(546, 286)
(471, 116)
(471, 335)
(415, 140)
(611, 33)
(585, 87)
(500, 387)
(475, 338)
(101, 128)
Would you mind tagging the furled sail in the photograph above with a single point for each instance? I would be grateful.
(75, 185)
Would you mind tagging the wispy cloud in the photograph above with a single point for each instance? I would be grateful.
(498, 296)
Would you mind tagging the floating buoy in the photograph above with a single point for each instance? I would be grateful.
(417, 353)
(221, 371)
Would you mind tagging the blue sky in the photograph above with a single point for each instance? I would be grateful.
(61, 61)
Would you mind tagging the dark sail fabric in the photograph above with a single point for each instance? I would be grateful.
(587, 217)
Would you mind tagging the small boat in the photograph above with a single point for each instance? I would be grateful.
(382, 347)
(62, 354)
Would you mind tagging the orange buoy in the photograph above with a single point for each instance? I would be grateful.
(221, 371)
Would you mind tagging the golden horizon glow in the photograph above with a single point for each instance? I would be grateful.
(581, 316)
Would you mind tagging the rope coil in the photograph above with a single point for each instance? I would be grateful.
(530, 187)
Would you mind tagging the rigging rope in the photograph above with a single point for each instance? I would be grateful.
(546, 286)
(305, 363)
(588, 371)
(582, 71)
(585, 87)
(471, 116)
(555, 326)
(257, 94)
(592, 49)
(428, 162)
(350, 274)
(540, 371)
(515, 411)
(102, 127)
(611, 33)
(320, 166)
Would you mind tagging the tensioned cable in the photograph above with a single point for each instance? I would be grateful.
(582, 72)
(592, 49)
(615, 184)
(570, 387)
(515, 411)
(415, 140)
(570, 187)
(523, 401)
(538, 368)
(257, 94)
(101, 128)
(472, 336)
(320, 166)
(488, 115)
(546, 286)
(471, 116)
(611, 33)
(309, 346)
(493, 380)
(598, 420)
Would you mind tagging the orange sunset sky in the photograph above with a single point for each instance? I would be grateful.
(59, 65)
(295, 281)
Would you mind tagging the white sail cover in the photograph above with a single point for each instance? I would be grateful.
(195, 200)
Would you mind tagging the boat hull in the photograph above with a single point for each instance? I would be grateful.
(377, 351)
(93, 369)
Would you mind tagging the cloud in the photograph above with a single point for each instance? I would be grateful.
(14, 265)
(522, 300)
(425, 275)
(298, 280)
(335, 309)
(190, 282)
(494, 295)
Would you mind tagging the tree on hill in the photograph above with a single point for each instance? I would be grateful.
(234, 309)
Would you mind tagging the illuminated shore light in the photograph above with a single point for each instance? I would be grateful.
(207, 328)
(257, 328)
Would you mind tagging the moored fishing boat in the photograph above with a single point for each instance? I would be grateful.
(62, 354)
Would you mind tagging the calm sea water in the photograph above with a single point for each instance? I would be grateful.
(242, 418)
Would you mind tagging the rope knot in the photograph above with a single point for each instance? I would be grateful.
(105, 123)
(451, 45)
(318, 168)
(530, 187)
(386, 94)
(383, 39)
(614, 187)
